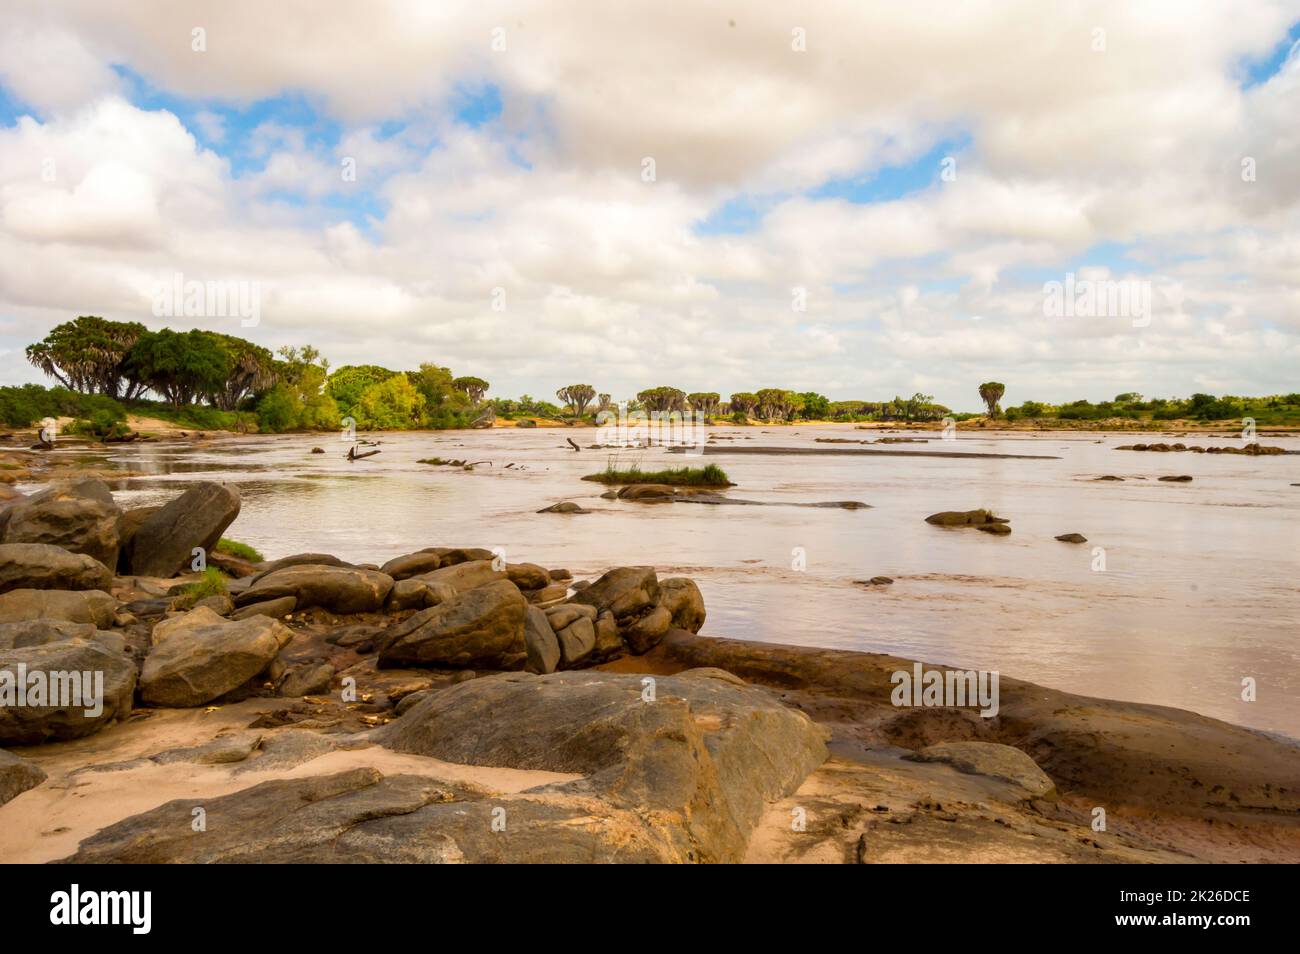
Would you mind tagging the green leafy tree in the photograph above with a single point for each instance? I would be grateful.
(90, 355)
(991, 393)
(577, 396)
(662, 400)
(252, 369)
(393, 404)
(472, 387)
(743, 403)
(816, 407)
(179, 365)
(347, 383)
(705, 402)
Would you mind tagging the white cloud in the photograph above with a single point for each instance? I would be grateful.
(605, 275)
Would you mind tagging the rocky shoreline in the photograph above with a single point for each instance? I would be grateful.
(449, 706)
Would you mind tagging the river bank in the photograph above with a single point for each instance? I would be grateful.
(320, 709)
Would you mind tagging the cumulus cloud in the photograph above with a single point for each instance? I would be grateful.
(1112, 126)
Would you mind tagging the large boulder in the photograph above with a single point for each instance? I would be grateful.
(529, 576)
(464, 576)
(72, 688)
(577, 642)
(625, 591)
(646, 632)
(79, 516)
(540, 643)
(43, 566)
(338, 589)
(701, 752)
(300, 559)
(73, 606)
(39, 632)
(412, 564)
(17, 776)
(682, 598)
(479, 628)
(127, 526)
(164, 543)
(204, 656)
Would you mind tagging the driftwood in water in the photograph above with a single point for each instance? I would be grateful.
(353, 455)
(572, 444)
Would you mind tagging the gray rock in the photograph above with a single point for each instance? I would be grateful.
(417, 594)
(81, 606)
(310, 679)
(412, 564)
(528, 576)
(300, 559)
(479, 628)
(707, 752)
(337, 589)
(994, 760)
(466, 575)
(625, 591)
(79, 516)
(540, 642)
(646, 632)
(40, 632)
(204, 657)
(564, 506)
(577, 642)
(609, 644)
(1072, 538)
(164, 543)
(85, 687)
(277, 608)
(17, 775)
(42, 566)
(683, 599)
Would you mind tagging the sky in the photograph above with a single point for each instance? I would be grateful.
(861, 199)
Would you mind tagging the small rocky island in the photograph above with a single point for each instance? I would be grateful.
(448, 706)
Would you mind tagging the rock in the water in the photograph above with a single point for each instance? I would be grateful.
(564, 506)
(625, 591)
(73, 606)
(164, 543)
(73, 687)
(17, 775)
(995, 760)
(205, 656)
(706, 753)
(334, 588)
(540, 643)
(412, 564)
(967, 518)
(480, 628)
(683, 599)
(79, 516)
(648, 492)
(1176, 478)
(42, 566)
(1072, 538)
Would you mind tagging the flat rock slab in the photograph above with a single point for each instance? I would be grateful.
(43, 566)
(702, 748)
(994, 760)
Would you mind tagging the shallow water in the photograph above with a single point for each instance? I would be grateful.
(1201, 586)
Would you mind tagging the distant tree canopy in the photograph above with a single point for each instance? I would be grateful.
(89, 355)
(705, 402)
(662, 400)
(743, 403)
(348, 383)
(474, 388)
(577, 396)
(991, 393)
(182, 366)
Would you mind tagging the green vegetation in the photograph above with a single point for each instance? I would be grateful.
(991, 393)
(1278, 409)
(241, 550)
(710, 476)
(212, 583)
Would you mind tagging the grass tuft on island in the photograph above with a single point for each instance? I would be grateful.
(710, 476)
(236, 549)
